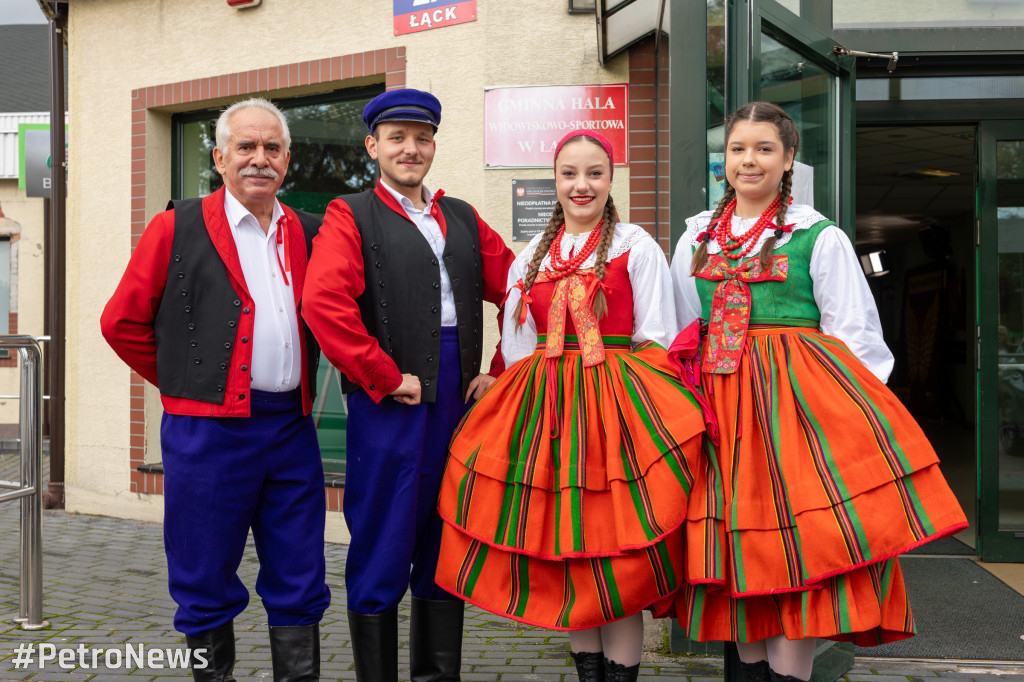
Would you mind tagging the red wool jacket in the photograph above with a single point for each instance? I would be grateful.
(127, 320)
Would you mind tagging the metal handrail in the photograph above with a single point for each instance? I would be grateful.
(30, 440)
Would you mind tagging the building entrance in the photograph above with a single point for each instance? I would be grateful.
(915, 233)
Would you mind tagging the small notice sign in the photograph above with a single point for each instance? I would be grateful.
(532, 203)
(422, 15)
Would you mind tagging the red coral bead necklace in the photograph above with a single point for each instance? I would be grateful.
(724, 230)
(568, 266)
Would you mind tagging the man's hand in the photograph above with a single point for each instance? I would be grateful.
(478, 386)
(408, 392)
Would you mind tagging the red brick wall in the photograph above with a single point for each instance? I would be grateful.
(333, 71)
(644, 191)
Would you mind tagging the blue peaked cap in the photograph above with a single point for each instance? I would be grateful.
(405, 104)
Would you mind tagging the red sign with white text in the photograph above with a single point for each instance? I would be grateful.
(421, 15)
(522, 125)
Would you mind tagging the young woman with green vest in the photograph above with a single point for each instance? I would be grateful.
(820, 477)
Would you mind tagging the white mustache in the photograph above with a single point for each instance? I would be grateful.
(255, 172)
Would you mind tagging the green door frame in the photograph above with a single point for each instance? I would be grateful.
(688, 152)
(994, 545)
(746, 20)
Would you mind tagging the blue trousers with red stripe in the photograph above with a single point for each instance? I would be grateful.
(225, 475)
(395, 458)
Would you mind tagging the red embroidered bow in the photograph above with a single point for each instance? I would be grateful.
(730, 307)
(574, 294)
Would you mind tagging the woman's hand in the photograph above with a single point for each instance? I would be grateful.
(478, 386)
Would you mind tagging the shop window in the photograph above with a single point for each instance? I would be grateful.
(328, 154)
(926, 14)
(940, 87)
(328, 158)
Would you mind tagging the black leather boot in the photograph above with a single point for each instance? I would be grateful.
(616, 672)
(374, 639)
(218, 648)
(589, 665)
(435, 640)
(757, 672)
(785, 678)
(295, 652)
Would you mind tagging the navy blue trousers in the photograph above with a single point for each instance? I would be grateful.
(225, 475)
(395, 458)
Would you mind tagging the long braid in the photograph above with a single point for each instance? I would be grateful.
(784, 193)
(700, 256)
(780, 219)
(611, 216)
(555, 222)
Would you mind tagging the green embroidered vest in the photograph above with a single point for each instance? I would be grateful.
(790, 303)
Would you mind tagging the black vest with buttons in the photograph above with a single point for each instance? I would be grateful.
(197, 321)
(401, 305)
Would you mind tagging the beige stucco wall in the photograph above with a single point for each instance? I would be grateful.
(26, 280)
(119, 45)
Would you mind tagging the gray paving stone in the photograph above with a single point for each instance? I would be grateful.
(106, 586)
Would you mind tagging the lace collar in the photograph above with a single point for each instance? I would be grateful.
(800, 216)
(625, 237)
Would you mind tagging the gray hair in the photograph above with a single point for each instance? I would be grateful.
(224, 122)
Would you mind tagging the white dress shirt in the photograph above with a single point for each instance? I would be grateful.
(431, 231)
(654, 316)
(841, 291)
(276, 353)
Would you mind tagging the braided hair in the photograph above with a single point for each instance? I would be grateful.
(555, 222)
(611, 217)
(758, 112)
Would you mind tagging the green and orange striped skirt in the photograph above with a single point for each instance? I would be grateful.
(564, 496)
(821, 479)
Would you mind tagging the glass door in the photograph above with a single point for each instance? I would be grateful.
(1000, 335)
(772, 54)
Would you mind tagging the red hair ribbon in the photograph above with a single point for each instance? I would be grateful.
(779, 231)
(527, 300)
(594, 285)
(709, 234)
(602, 140)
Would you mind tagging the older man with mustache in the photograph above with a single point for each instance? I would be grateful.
(207, 311)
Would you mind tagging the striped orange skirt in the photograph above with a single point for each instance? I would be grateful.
(565, 492)
(820, 480)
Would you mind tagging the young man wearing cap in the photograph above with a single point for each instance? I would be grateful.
(395, 294)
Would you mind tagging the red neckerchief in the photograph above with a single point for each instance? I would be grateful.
(730, 307)
(282, 238)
